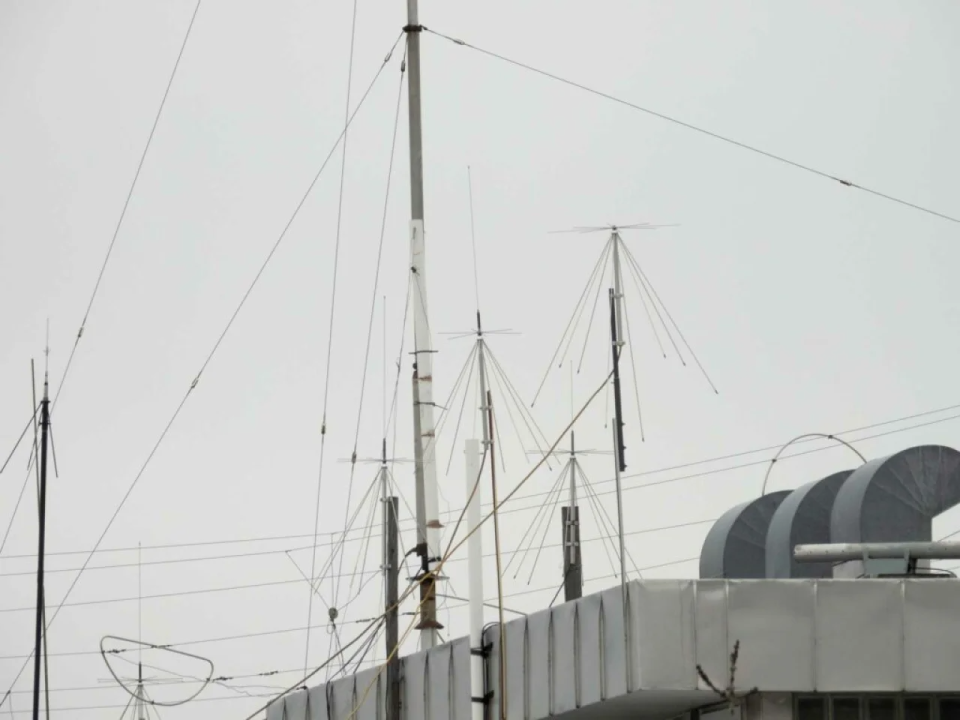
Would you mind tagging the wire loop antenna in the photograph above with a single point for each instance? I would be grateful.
(104, 652)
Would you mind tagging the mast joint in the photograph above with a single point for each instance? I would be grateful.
(413, 28)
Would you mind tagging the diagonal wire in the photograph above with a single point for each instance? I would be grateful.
(593, 311)
(644, 288)
(702, 131)
(30, 422)
(541, 508)
(206, 362)
(633, 368)
(376, 275)
(126, 204)
(546, 529)
(326, 382)
(466, 374)
(672, 321)
(570, 326)
(531, 424)
(610, 526)
(646, 310)
(546, 508)
(606, 540)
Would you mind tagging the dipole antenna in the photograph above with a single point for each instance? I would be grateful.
(618, 263)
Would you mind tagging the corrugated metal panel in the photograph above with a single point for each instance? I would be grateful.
(368, 694)
(931, 636)
(460, 684)
(665, 648)
(317, 703)
(764, 615)
(438, 682)
(342, 698)
(413, 689)
(614, 643)
(795, 636)
(296, 705)
(537, 667)
(589, 651)
(564, 664)
(865, 616)
(275, 710)
(710, 629)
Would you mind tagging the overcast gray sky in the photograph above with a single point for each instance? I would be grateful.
(814, 307)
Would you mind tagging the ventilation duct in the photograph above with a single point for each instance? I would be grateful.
(895, 499)
(735, 547)
(803, 518)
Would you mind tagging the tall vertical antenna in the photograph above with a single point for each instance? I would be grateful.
(424, 440)
(570, 518)
(625, 270)
(391, 568)
(475, 561)
(36, 453)
(42, 533)
(619, 465)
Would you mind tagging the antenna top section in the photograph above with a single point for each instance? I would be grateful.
(612, 228)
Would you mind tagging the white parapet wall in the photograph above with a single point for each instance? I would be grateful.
(795, 636)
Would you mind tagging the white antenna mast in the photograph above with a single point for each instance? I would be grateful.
(425, 429)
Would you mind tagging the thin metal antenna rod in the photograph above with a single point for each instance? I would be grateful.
(425, 439)
(42, 532)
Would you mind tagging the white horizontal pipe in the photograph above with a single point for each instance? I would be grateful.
(857, 551)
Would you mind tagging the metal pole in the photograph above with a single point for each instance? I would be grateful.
(484, 405)
(391, 569)
(42, 531)
(475, 569)
(496, 536)
(620, 465)
(36, 452)
(619, 450)
(572, 561)
(425, 439)
(418, 470)
(623, 558)
(428, 603)
(618, 284)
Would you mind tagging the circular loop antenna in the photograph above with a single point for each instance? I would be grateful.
(151, 646)
(805, 436)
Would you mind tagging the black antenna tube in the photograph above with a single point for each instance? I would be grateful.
(617, 400)
(38, 640)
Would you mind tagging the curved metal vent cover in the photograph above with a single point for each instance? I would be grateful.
(895, 498)
(803, 517)
(735, 547)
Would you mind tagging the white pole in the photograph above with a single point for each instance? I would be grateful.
(475, 567)
(425, 439)
(618, 287)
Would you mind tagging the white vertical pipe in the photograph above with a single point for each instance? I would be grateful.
(475, 569)
(421, 325)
